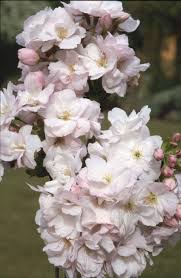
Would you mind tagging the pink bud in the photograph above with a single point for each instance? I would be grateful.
(167, 171)
(172, 160)
(170, 183)
(176, 137)
(34, 81)
(178, 212)
(28, 56)
(171, 222)
(106, 21)
(159, 154)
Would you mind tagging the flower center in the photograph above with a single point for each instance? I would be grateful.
(59, 141)
(67, 172)
(102, 62)
(151, 199)
(65, 116)
(18, 147)
(62, 32)
(136, 154)
(107, 178)
(71, 68)
(129, 206)
(4, 109)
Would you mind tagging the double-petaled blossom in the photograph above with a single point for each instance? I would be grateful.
(35, 95)
(59, 220)
(130, 257)
(51, 27)
(113, 9)
(111, 200)
(97, 58)
(123, 125)
(9, 106)
(20, 146)
(68, 72)
(98, 8)
(67, 114)
(126, 72)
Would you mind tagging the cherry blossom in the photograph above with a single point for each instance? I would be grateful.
(68, 114)
(20, 146)
(112, 197)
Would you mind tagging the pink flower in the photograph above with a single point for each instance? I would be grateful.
(159, 154)
(28, 56)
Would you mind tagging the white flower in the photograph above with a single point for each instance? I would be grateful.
(59, 218)
(122, 124)
(99, 8)
(127, 70)
(98, 59)
(8, 106)
(20, 146)
(67, 114)
(135, 152)
(63, 168)
(33, 27)
(120, 45)
(158, 200)
(69, 72)
(89, 262)
(59, 250)
(51, 27)
(130, 259)
(34, 96)
(105, 179)
(61, 29)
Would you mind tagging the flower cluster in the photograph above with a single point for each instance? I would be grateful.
(110, 203)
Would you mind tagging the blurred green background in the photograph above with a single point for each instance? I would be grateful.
(158, 41)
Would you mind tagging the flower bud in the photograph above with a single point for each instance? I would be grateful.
(106, 21)
(34, 81)
(172, 160)
(178, 212)
(167, 171)
(28, 56)
(158, 154)
(170, 183)
(171, 222)
(176, 137)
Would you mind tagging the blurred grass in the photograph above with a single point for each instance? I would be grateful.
(21, 253)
